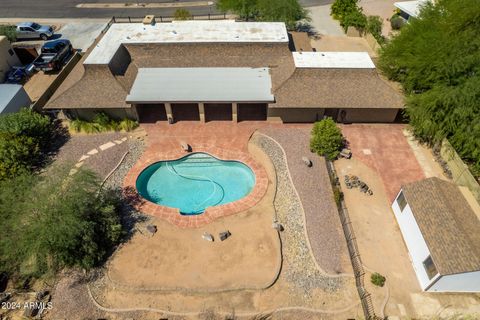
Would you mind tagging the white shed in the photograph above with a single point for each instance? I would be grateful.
(441, 229)
(12, 98)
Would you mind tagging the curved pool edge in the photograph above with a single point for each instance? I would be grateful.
(210, 214)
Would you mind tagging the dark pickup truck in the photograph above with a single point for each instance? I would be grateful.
(53, 55)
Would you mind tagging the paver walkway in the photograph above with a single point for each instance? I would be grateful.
(385, 149)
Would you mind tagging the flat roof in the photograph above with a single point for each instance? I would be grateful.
(7, 93)
(412, 8)
(219, 31)
(334, 60)
(157, 85)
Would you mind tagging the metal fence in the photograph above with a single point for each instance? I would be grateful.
(357, 265)
(219, 16)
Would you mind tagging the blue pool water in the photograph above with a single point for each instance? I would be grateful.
(195, 182)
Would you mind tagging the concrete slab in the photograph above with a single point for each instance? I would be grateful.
(323, 23)
(81, 34)
(84, 157)
(107, 145)
(92, 152)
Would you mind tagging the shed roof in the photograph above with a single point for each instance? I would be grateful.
(412, 8)
(448, 224)
(7, 93)
(337, 60)
(201, 85)
(223, 31)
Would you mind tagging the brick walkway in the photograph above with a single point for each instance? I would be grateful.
(385, 149)
(223, 140)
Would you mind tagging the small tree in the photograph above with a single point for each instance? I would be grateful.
(377, 279)
(374, 27)
(354, 19)
(326, 138)
(182, 14)
(341, 8)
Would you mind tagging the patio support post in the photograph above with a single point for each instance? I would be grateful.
(234, 112)
(201, 111)
(168, 109)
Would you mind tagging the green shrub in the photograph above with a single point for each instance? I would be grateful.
(354, 19)
(337, 195)
(377, 279)
(341, 8)
(182, 14)
(102, 123)
(66, 222)
(24, 136)
(397, 22)
(326, 139)
(127, 125)
(9, 32)
(374, 27)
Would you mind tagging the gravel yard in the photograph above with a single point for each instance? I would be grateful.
(300, 269)
(103, 161)
(313, 186)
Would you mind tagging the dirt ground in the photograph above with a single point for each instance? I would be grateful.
(342, 43)
(181, 258)
(379, 240)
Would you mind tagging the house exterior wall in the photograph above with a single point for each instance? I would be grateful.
(115, 113)
(295, 114)
(369, 115)
(462, 282)
(8, 58)
(416, 245)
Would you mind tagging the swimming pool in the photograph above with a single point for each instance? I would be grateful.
(195, 182)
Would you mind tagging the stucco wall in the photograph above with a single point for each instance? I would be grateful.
(369, 115)
(416, 245)
(115, 113)
(462, 282)
(296, 114)
(6, 59)
(350, 115)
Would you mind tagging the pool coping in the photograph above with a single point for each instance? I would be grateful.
(173, 215)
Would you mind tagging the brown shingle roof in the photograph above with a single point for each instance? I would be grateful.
(97, 88)
(336, 88)
(448, 224)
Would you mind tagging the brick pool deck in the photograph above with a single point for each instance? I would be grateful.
(221, 140)
(385, 149)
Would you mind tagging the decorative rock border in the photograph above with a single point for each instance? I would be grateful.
(173, 215)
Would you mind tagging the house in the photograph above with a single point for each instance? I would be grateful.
(410, 8)
(12, 98)
(440, 225)
(221, 70)
(8, 58)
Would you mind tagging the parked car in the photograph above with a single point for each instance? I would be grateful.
(32, 30)
(53, 55)
(18, 75)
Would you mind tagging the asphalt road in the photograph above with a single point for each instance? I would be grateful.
(67, 9)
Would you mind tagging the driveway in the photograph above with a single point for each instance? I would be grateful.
(82, 34)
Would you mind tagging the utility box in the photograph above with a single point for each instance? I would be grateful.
(149, 19)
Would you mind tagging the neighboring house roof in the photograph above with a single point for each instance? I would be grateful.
(336, 88)
(222, 31)
(448, 224)
(412, 8)
(333, 60)
(7, 93)
(155, 85)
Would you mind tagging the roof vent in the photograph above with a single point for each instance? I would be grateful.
(149, 19)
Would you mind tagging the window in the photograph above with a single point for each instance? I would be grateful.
(430, 268)
(401, 201)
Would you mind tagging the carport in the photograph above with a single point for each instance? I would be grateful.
(151, 113)
(205, 94)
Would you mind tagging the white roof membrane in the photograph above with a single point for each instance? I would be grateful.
(341, 60)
